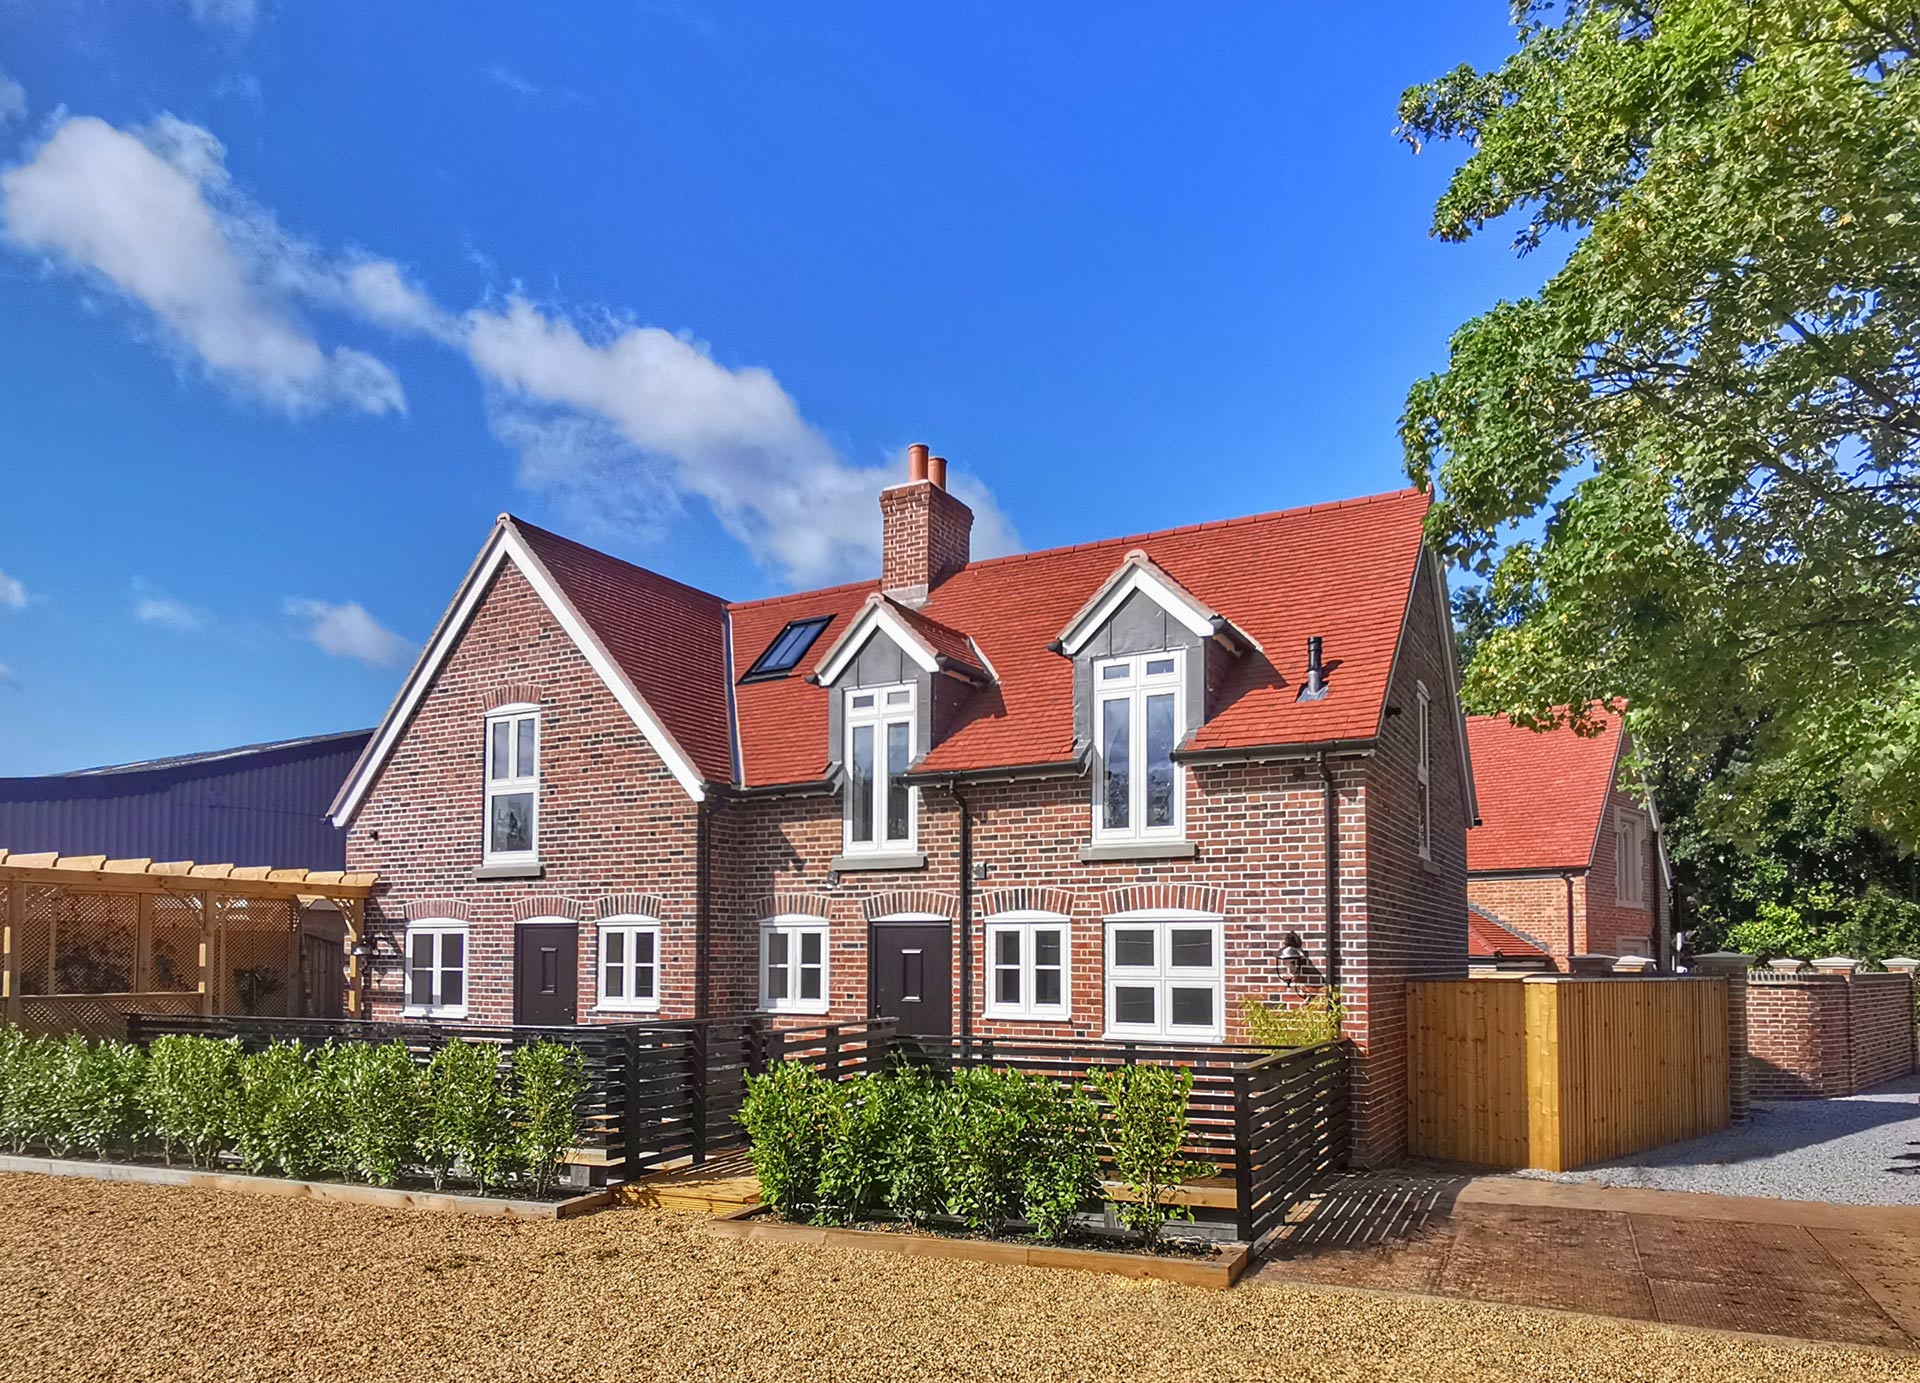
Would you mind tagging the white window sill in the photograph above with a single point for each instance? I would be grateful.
(1001, 1015)
(811, 1011)
(877, 859)
(1164, 1039)
(436, 1013)
(1107, 850)
(510, 869)
(625, 1008)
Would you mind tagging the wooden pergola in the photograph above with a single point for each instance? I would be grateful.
(88, 940)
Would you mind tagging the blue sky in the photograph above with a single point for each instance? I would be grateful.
(295, 299)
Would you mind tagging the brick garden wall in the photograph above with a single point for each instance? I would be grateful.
(613, 822)
(1828, 1036)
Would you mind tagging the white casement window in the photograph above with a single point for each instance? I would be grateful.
(1027, 956)
(1139, 714)
(436, 968)
(630, 964)
(881, 804)
(513, 785)
(1423, 793)
(793, 965)
(1629, 858)
(1166, 977)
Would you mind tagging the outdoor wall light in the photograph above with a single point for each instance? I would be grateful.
(1292, 954)
(359, 950)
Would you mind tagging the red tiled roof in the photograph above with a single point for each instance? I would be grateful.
(1541, 793)
(1342, 571)
(668, 638)
(950, 644)
(1487, 936)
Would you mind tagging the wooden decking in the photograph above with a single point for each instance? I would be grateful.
(722, 1185)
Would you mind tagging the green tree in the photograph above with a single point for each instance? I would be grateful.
(1711, 411)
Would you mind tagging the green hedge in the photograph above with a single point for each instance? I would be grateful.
(364, 1111)
(983, 1146)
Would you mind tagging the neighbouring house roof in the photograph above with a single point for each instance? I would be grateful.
(1543, 793)
(673, 655)
(1488, 936)
(1344, 571)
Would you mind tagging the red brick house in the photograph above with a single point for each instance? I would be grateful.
(1567, 859)
(1103, 791)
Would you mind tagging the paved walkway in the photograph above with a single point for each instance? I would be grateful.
(1861, 1150)
(1810, 1270)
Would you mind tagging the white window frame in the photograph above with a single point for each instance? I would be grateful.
(1135, 688)
(1165, 976)
(794, 927)
(1024, 924)
(514, 783)
(887, 709)
(1423, 769)
(438, 928)
(630, 926)
(1629, 858)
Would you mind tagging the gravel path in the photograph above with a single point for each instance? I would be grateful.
(120, 1281)
(1861, 1150)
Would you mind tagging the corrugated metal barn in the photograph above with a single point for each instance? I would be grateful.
(261, 804)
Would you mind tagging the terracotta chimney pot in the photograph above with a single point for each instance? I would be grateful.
(917, 461)
(937, 472)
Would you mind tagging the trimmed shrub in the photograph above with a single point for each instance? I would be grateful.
(19, 1056)
(856, 1159)
(1145, 1129)
(103, 1111)
(192, 1094)
(985, 1131)
(287, 1111)
(915, 1190)
(376, 1086)
(547, 1084)
(785, 1116)
(463, 1115)
(1060, 1169)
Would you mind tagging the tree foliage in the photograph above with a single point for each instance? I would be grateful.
(1712, 409)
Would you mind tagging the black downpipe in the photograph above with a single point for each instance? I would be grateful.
(1333, 871)
(1569, 880)
(702, 906)
(966, 916)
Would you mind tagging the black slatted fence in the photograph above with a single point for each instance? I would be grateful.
(1291, 1126)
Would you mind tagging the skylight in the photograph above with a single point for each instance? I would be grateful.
(789, 646)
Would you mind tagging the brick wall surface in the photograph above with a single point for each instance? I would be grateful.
(1535, 905)
(1828, 1036)
(614, 824)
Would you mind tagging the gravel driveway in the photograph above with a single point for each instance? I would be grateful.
(1861, 1150)
(101, 1281)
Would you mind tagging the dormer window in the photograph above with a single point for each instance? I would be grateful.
(881, 805)
(1139, 716)
(513, 786)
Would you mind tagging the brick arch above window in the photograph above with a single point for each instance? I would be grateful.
(511, 694)
(791, 905)
(1055, 900)
(566, 909)
(1154, 897)
(631, 905)
(922, 901)
(451, 909)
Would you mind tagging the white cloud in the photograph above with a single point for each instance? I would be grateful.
(379, 291)
(348, 631)
(151, 213)
(512, 80)
(13, 99)
(155, 607)
(733, 437)
(238, 16)
(7, 679)
(13, 595)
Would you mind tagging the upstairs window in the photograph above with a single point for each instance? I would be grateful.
(1139, 717)
(789, 646)
(437, 969)
(881, 804)
(513, 785)
(1629, 858)
(1423, 793)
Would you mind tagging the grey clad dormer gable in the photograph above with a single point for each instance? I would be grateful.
(880, 663)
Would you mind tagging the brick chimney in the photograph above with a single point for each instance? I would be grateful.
(925, 530)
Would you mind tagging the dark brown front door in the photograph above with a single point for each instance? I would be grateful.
(913, 976)
(546, 975)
